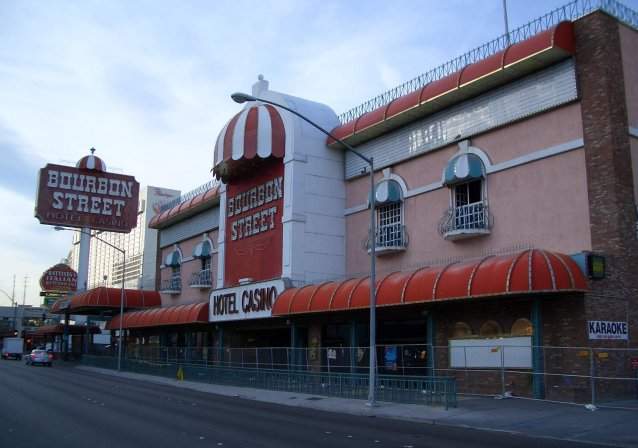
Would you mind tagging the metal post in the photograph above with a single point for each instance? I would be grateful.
(430, 343)
(372, 386)
(503, 393)
(507, 28)
(592, 375)
(119, 344)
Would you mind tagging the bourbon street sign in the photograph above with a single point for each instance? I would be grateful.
(74, 197)
(251, 301)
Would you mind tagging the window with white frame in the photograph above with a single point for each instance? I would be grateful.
(390, 231)
(465, 175)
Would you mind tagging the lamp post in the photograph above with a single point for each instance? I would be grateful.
(244, 97)
(123, 252)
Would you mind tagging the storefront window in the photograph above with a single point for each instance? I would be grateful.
(490, 329)
(522, 327)
(461, 330)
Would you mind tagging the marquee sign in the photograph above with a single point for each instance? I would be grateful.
(254, 229)
(74, 197)
(251, 301)
(59, 278)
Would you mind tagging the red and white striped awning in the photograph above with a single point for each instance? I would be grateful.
(256, 131)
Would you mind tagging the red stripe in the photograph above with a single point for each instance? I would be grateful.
(250, 134)
(228, 138)
(278, 132)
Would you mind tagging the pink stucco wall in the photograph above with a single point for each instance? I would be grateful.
(189, 295)
(543, 203)
(628, 45)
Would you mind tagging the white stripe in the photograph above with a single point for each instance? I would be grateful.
(90, 163)
(219, 156)
(264, 133)
(238, 135)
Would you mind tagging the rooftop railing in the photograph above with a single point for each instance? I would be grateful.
(187, 196)
(570, 11)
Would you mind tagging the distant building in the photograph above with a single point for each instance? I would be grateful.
(105, 263)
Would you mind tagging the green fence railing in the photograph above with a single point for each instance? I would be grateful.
(439, 391)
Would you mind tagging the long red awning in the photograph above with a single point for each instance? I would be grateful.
(521, 58)
(532, 271)
(171, 315)
(103, 299)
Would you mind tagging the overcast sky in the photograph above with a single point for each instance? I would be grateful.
(147, 83)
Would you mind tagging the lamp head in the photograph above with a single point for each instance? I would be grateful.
(240, 98)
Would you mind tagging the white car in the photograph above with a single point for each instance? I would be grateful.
(39, 357)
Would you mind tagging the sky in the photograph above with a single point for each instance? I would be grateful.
(148, 84)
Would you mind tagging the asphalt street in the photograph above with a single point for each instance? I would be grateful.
(67, 407)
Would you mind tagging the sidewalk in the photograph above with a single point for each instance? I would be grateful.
(533, 418)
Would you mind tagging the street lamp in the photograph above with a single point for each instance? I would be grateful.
(240, 98)
(123, 252)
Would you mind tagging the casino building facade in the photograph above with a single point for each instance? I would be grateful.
(505, 214)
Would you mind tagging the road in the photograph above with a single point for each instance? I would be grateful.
(67, 407)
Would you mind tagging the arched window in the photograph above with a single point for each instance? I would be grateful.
(465, 176)
(390, 229)
(522, 327)
(461, 330)
(203, 251)
(490, 329)
(174, 261)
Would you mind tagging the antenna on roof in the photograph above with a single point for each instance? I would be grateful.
(507, 28)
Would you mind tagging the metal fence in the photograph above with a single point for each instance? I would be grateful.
(582, 375)
(570, 11)
(391, 388)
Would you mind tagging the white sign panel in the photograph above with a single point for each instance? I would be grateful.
(253, 301)
(512, 352)
(604, 329)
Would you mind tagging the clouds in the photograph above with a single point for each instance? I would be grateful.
(18, 167)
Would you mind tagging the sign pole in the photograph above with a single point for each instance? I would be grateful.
(83, 265)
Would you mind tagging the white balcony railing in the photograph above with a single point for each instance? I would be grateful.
(202, 279)
(389, 238)
(466, 221)
(171, 286)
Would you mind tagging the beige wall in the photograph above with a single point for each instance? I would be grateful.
(542, 203)
(189, 295)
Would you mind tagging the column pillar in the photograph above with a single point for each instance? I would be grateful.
(538, 368)
(430, 341)
(353, 343)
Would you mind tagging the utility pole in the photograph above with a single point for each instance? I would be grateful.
(24, 290)
(15, 305)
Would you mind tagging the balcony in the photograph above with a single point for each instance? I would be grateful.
(466, 221)
(171, 286)
(202, 279)
(389, 239)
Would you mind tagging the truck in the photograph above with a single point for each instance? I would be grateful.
(12, 348)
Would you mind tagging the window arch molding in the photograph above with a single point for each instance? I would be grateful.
(387, 175)
(465, 148)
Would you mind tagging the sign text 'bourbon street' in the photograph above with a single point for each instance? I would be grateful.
(260, 221)
(70, 196)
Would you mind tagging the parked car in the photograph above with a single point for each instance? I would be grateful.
(39, 357)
